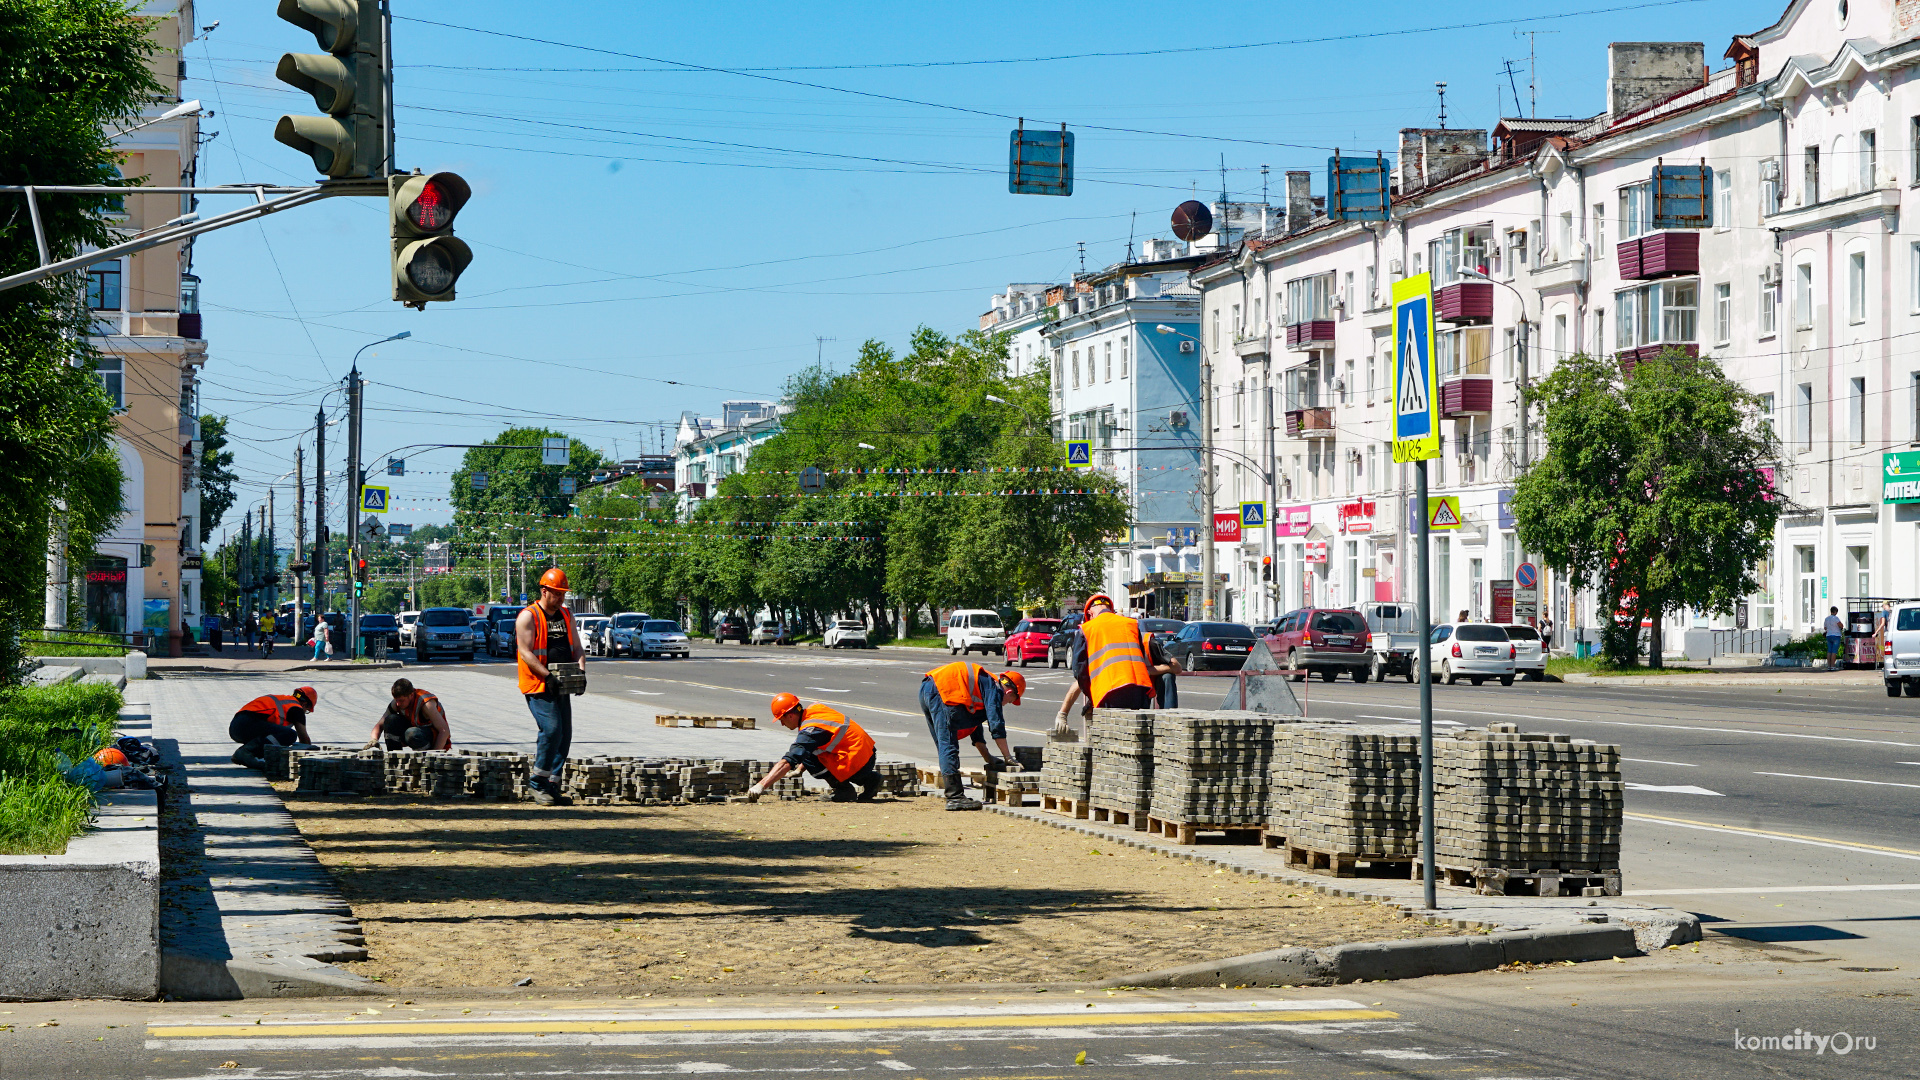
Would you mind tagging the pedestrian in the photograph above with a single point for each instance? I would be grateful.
(280, 719)
(958, 699)
(830, 747)
(321, 646)
(1836, 632)
(414, 719)
(1546, 635)
(544, 634)
(1112, 663)
(266, 634)
(1463, 616)
(250, 627)
(214, 635)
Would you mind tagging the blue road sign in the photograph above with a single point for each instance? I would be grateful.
(1040, 162)
(1416, 425)
(1525, 576)
(1080, 453)
(1253, 515)
(373, 500)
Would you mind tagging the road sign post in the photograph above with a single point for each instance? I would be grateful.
(1526, 593)
(1416, 438)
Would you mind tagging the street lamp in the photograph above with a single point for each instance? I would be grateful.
(356, 480)
(1206, 468)
(1521, 341)
(183, 109)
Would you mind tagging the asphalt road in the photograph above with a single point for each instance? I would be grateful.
(1788, 815)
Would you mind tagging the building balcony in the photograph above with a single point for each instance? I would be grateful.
(1313, 334)
(1466, 395)
(1250, 346)
(1316, 423)
(1555, 276)
(1672, 253)
(1627, 358)
(1464, 303)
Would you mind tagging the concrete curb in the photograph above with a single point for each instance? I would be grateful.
(198, 978)
(1835, 678)
(229, 669)
(86, 923)
(1376, 961)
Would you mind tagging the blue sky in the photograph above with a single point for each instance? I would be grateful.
(650, 237)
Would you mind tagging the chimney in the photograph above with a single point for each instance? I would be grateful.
(1299, 199)
(1640, 73)
(1429, 156)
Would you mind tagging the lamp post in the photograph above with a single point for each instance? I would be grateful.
(1206, 469)
(355, 480)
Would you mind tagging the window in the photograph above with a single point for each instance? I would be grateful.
(1913, 406)
(1076, 369)
(1803, 296)
(1239, 393)
(1107, 360)
(1216, 329)
(1476, 581)
(1913, 141)
(1770, 307)
(1346, 296)
(1769, 187)
(103, 286)
(111, 371)
(1723, 200)
(1599, 230)
(1508, 554)
(1564, 241)
(1803, 559)
(1373, 286)
(1442, 575)
(1857, 287)
(1124, 343)
(1810, 177)
(1373, 463)
(1516, 250)
(1059, 376)
(1237, 326)
(1869, 161)
(1858, 575)
(1857, 411)
(1560, 335)
(1347, 385)
(1663, 313)
(1803, 416)
(1460, 249)
(1765, 410)
(1723, 313)
(1310, 298)
(1636, 209)
(1256, 325)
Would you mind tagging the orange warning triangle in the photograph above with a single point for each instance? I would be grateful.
(1443, 515)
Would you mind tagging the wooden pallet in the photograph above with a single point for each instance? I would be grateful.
(743, 723)
(932, 778)
(1346, 864)
(1073, 808)
(1273, 841)
(1544, 881)
(1011, 796)
(1105, 815)
(1187, 832)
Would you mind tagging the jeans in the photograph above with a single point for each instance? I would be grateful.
(1833, 646)
(942, 721)
(554, 715)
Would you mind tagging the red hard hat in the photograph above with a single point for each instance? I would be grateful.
(784, 703)
(1098, 597)
(1015, 683)
(312, 696)
(554, 578)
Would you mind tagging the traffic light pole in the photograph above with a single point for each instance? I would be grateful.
(354, 482)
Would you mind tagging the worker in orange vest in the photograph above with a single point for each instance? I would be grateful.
(1115, 663)
(830, 747)
(958, 699)
(544, 634)
(414, 719)
(280, 719)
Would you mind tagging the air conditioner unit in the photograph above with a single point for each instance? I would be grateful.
(1177, 419)
(1770, 169)
(1770, 274)
(1186, 346)
(1339, 385)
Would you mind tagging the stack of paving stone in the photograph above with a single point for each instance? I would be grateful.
(1030, 758)
(446, 775)
(714, 781)
(1352, 790)
(1211, 767)
(501, 777)
(898, 778)
(283, 763)
(1120, 777)
(590, 781)
(343, 773)
(1064, 772)
(1529, 802)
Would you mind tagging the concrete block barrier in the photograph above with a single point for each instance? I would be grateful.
(86, 923)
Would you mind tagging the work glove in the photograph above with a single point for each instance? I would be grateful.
(754, 793)
(1062, 728)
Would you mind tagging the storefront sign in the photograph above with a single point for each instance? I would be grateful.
(1226, 527)
(1357, 516)
(1900, 476)
(190, 562)
(1502, 601)
(1292, 520)
(1316, 551)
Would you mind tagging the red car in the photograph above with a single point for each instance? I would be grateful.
(1028, 642)
(1323, 640)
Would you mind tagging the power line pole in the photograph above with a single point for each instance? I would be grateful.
(1206, 481)
(268, 520)
(353, 510)
(319, 515)
(299, 535)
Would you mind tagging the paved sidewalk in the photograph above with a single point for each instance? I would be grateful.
(1752, 677)
(243, 662)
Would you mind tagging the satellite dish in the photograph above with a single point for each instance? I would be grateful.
(1192, 220)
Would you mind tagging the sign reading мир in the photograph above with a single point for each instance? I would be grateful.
(1900, 477)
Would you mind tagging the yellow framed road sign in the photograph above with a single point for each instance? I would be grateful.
(1416, 403)
(1443, 512)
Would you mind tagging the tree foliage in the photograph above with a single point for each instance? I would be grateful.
(70, 70)
(216, 474)
(1651, 491)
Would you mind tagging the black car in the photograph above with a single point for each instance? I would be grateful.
(731, 628)
(1163, 630)
(375, 626)
(1058, 648)
(1202, 645)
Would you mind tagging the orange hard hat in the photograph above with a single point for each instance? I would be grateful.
(554, 578)
(1015, 683)
(110, 757)
(1098, 598)
(784, 703)
(312, 696)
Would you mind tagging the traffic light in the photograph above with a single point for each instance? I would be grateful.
(427, 257)
(1266, 568)
(348, 82)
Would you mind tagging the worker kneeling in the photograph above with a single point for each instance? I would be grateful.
(414, 720)
(280, 719)
(830, 747)
(958, 699)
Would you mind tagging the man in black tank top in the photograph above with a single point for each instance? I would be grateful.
(552, 710)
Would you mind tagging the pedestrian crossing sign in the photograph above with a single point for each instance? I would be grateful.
(373, 500)
(1080, 453)
(1443, 512)
(1253, 515)
(1416, 422)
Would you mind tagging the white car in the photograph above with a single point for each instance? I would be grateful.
(591, 628)
(1472, 651)
(1900, 654)
(1529, 659)
(660, 637)
(407, 621)
(766, 632)
(969, 629)
(624, 634)
(846, 634)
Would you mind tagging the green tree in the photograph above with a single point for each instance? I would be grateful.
(216, 474)
(1651, 490)
(70, 70)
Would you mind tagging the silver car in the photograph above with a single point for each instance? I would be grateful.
(661, 637)
(1472, 651)
(591, 629)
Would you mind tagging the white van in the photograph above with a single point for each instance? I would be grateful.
(970, 629)
(1900, 656)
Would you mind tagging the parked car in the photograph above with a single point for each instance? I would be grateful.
(591, 628)
(1324, 641)
(731, 628)
(442, 631)
(660, 637)
(768, 632)
(408, 619)
(1202, 645)
(623, 633)
(1900, 654)
(479, 627)
(1396, 638)
(972, 628)
(378, 626)
(1165, 630)
(1529, 659)
(1472, 651)
(499, 639)
(846, 634)
(1029, 639)
(1059, 649)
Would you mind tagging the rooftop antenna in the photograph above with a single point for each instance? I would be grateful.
(820, 349)
(1533, 72)
(1083, 256)
(1263, 198)
(1223, 202)
(1508, 65)
(1131, 224)
(1442, 89)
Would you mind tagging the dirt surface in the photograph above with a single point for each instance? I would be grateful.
(464, 893)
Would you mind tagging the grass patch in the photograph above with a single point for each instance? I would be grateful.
(39, 809)
(929, 642)
(1562, 666)
(66, 643)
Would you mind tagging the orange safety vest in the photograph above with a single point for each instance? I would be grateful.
(413, 709)
(274, 706)
(848, 750)
(959, 684)
(1116, 655)
(529, 682)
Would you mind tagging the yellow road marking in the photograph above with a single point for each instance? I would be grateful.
(1763, 832)
(849, 1023)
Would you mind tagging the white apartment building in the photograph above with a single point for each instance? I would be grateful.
(1790, 272)
(707, 449)
(1021, 313)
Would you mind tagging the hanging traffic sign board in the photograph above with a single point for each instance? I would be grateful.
(373, 500)
(554, 451)
(1080, 453)
(812, 480)
(1416, 421)
(1443, 512)
(1040, 162)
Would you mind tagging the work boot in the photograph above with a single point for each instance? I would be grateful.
(248, 755)
(963, 803)
(957, 794)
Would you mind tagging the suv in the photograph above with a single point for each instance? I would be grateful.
(407, 621)
(1900, 656)
(975, 628)
(659, 637)
(623, 633)
(1060, 646)
(373, 625)
(442, 631)
(1324, 640)
(1472, 651)
(731, 627)
(846, 633)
